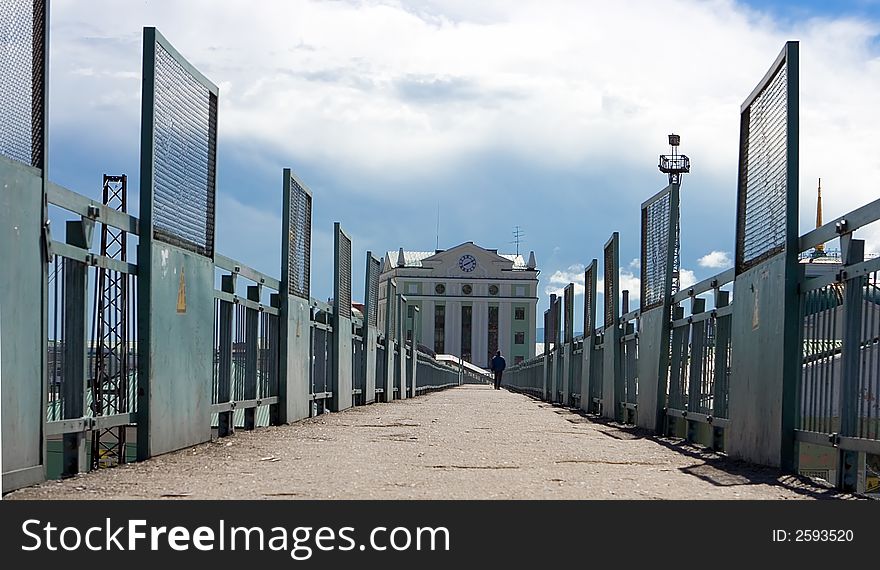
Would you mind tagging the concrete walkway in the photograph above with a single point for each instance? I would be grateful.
(466, 443)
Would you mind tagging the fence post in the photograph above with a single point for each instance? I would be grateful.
(851, 468)
(296, 344)
(415, 353)
(341, 376)
(722, 362)
(612, 384)
(695, 374)
(252, 328)
(401, 343)
(76, 318)
(225, 421)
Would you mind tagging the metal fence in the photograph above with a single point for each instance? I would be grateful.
(147, 348)
(767, 361)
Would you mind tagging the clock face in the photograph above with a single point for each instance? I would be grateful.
(467, 263)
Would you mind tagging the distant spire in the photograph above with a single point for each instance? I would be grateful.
(820, 249)
(532, 263)
(401, 260)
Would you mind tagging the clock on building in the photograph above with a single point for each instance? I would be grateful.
(467, 263)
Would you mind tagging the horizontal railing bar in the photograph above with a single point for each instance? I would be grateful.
(249, 273)
(68, 251)
(71, 201)
(698, 417)
(845, 443)
(854, 220)
(632, 315)
(708, 284)
(80, 425)
(243, 404)
(245, 302)
(815, 437)
(700, 317)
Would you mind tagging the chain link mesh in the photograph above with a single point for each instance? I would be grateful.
(372, 303)
(655, 251)
(343, 295)
(185, 139)
(589, 299)
(22, 62)
(610, 277)
(300, 240)
(763, 173)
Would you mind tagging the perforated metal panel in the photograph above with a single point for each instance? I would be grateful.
(372, 303)
(655, 250)
(763, 183)
(589, 300)
(610, 298)
(550, 325)
(343, 259)
(185, 156)
(22, 89)
(299, 239)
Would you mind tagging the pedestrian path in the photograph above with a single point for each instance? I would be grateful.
(471, 442)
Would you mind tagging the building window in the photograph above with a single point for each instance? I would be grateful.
(411, 311)
(519, 338)
(492, 336)
(440, 329)
(466, 289)
(466, 316)
(412, 288)
(493, 289)
(440, 289)
(519, 314)
(519, 291)
(518, 359)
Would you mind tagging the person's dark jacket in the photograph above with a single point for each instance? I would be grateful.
(498, 363)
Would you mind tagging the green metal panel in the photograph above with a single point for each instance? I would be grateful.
(653, 365)
(758, 360)
(22, 286)
(296, 359)
(174, 386)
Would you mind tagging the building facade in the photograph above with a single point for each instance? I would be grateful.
(472, 301)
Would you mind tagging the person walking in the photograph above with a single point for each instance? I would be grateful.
(498, 366)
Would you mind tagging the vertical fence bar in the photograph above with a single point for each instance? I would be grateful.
(252, 321)
(76, 318)
(854, 252)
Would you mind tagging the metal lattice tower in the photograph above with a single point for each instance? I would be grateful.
(110, 381)
(675, 165)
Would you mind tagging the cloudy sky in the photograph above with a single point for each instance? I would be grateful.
(548, 115)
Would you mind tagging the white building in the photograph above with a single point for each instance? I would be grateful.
(472, 301)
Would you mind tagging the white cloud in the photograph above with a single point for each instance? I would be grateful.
(715, 260)
(408, 88)
(686, 278)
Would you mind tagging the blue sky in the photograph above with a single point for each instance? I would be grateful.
(545, 115)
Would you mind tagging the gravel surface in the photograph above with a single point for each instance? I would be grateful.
(471, 442)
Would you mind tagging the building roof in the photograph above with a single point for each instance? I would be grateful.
(414, 258)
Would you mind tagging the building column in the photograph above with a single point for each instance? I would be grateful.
(479, 340)
(505, 322)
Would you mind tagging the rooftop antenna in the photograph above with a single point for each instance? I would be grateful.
(518, 234)
(437, 247)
